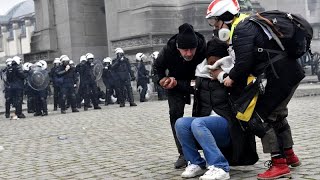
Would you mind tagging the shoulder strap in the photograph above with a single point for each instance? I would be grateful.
(265, 25)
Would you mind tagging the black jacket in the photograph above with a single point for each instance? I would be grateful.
(15, 77)
(212, 95)
(121, 69)
(183, 71)
(107, 76)
(248, 36)
(69, 77)
(143, 74)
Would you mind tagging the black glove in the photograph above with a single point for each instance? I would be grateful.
(133, 78)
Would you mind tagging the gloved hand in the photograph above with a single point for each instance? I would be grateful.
(133, 78)
(67, 68)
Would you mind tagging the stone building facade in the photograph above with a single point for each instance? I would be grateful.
(75, 27)
(16, 30)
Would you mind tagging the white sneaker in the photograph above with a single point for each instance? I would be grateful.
(192, 170)
(215, 173)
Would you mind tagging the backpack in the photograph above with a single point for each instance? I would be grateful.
(292, 32)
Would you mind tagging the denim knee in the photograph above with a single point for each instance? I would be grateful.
(196, 123)
(180, 124)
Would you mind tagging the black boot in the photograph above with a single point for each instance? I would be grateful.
(21, 116)
(133, 104)
(75, 110)
(180, 163)
(37, 114)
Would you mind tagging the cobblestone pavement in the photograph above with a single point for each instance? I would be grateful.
(128, 143)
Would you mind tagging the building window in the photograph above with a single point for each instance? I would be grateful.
(316, 33)
(23, 29)
(10, 30)
(1, 37)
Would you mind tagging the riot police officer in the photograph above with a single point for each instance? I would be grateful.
(55, 83)
(69, 78)
(142, 77)
(109, 81)
(28, 90)
(122, 72)
(14, 90)
(40, 94)
(88, 83)
(80, 68)
(6, 87)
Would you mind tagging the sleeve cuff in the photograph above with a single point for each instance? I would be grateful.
(221, 76)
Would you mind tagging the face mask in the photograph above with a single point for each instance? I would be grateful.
(224, 34)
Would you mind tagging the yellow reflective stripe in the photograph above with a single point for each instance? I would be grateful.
(236, 22)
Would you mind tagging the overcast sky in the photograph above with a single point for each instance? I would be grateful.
(6, 5)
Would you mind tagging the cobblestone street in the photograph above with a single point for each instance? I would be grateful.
(128, 143)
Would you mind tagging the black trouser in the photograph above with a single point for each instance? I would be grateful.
(8, 101)
(125, 91)
(30, 102)
(56, 95)
(143, 92)
(90, 91)
(68, 92)
(40, 99)
(177, 103)
(79, 96)
(14, 96)
(277, 135)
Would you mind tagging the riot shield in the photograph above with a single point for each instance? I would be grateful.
(38, 79)
(97, 69)
(3, 76)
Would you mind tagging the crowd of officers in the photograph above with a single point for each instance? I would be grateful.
(75, 86)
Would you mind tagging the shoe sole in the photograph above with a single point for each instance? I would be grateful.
(288, 175)
(295, 164)
(198, 174)
(203, 178)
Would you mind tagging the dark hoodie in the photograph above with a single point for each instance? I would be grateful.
(183, 71)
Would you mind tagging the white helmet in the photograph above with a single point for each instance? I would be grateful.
(9, 61)
(26, 66)
(140, 56)
(39, 64)
(44, 64)
(56, 61)
(107, 60)
(155, 54)
(118, 50)
(71, 62)
(89, 56)
(83, 58)
(64, 58)
(219, 7)
(16, 59)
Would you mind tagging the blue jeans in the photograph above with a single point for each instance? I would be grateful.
(211, 132)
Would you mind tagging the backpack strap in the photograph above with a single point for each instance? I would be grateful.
(280, 55)
(266, 25)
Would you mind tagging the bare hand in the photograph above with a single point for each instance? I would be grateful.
(228, 82)
(67, 68)
(214, 73)
(168, 82)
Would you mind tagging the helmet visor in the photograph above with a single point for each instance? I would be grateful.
(213, 21)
